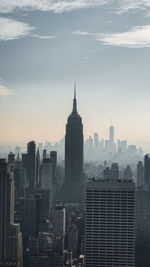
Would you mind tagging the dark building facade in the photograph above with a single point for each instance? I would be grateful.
(74, 156)
(6, 207)
(140, 174)
(10, 236)
(142, 227)
(110, 223)
(31, 151)
(147, 171)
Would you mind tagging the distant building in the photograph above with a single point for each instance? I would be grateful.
(59, 221)
(37, 168)
(140, 174)
(53, 157)
(72, 236)
(112, 173)
(115, 171)
(54, 183)
(6, 207)
(17, 151)
(96, 142)
(122, 146)
(11, 158)
(111, 135)
(46, 182)
(10, 236)
(15, 252)
(132, 149)
(147, 171)
(31, 152)
(28, 216)
(127, 173)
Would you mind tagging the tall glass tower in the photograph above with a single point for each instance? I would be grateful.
(74, 156)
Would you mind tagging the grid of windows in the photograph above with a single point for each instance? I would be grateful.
(110, 227)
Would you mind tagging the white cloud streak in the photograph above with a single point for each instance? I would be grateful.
(79, 32)
(43, 36)
(57, 6)
(4, 92)
(127, 5)
(137, 37)
(12, 29)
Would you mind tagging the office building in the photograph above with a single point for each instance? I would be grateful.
(111, 134)
(142, 224)
(59, 221)
(110, 223)
(140, 174)
(27, 211)
(53, 157)
(31, 169)
(96, 142)
(46, 182)
(37, 168)
(147, 171)
(14, 251)
(6, 206)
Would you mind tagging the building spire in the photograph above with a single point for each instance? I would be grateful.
(74, 111)
(75, 90)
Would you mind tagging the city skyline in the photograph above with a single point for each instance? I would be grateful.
(74, 133)
(103, 45)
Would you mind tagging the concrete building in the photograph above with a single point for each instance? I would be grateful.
(31, 166)
(14, 252)
(110, 223)
(59, 221)
(6, 206)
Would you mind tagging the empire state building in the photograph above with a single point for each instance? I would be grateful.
(74, 156)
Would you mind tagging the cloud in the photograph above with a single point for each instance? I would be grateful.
(127, 5)
(57, 6)
(137, 37)
(12, 29)
(5, 91)
(79, 32)
(43, 36)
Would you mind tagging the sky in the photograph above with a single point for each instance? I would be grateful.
(103, 45)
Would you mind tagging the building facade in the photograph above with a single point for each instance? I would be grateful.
(110, 223)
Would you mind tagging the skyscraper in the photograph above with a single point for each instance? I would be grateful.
(37, 168)
(10, 236)
(96, 142)
(31, 151)
(140, 174)
(74, 156)
(110, 223)
(53, 157)
(111, 134)
(46, 182)
(59, 221)
(147, 171)
(54, 180)
(6, 207)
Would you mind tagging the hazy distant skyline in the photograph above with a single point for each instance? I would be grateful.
(46, 45)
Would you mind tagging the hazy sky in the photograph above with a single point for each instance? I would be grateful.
(102, 44)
